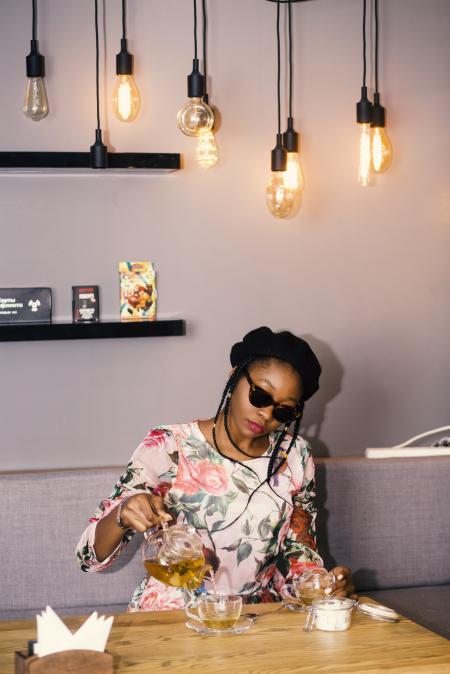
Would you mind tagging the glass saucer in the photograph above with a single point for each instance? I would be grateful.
(242, 625)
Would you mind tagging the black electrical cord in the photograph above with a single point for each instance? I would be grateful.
(124, 19)
(97, 56)
(279, 69)
(34, 20)
(205, 19)
(195, 29)
(364, 44)
(290, 56)
(376, 46)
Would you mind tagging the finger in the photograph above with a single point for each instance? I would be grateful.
(338, 585)
(136, 518)
(341, 572)
(340, 593)
(158, 508)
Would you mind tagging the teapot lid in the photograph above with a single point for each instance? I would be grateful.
(179, 542)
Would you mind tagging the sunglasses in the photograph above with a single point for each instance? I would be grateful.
(258, 397)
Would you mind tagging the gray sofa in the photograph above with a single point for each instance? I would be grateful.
(388, 520)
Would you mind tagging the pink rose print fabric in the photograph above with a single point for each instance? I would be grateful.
(255, 535)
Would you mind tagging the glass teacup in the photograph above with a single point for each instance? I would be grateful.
(309, 586)
(216, 611)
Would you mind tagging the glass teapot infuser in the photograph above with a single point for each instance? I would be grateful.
(174, 556)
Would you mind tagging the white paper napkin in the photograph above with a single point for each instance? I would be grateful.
(53, 636)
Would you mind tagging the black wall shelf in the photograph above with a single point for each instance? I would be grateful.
(80, 162)
(21, 332)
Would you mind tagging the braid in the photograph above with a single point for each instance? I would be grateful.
(225, 404)
(273, 469)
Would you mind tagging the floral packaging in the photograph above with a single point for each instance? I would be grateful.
(137, 291)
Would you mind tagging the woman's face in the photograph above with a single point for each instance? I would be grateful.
(275, 377)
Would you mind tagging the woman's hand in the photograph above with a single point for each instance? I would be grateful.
(142, 511)
(344, 586)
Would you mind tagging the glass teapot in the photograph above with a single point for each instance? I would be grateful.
(174, 556)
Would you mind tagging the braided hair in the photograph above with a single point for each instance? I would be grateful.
(278, 456)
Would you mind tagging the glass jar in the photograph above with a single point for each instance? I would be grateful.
(333, 614)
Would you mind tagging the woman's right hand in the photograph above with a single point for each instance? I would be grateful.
(142, 511)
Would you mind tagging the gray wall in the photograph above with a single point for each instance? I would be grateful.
(363, 272)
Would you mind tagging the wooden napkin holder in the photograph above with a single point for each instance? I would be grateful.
(69, 662)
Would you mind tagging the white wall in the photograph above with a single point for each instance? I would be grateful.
(363, 272)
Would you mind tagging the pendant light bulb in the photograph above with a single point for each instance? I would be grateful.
(279, 198)
(126, 99)
(35, 104)
(381, 149)
(381, 145)
(364, 155)
(195, 117)
(293, 176)
(364, 117)
(207, 152)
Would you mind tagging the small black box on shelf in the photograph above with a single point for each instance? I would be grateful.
(25, 305)
(85, 304)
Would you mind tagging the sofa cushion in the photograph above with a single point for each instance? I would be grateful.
(386, 519)
(427, 606)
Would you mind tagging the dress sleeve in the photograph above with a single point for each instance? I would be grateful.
(152, 469)
(299, 547)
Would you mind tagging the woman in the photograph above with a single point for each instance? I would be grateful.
(241, 479)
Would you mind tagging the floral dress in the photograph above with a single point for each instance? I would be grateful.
(254, 534)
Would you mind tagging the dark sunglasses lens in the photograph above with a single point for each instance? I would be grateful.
(259, 398)
(284, 414)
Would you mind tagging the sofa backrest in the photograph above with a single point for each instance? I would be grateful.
(385, 519)
(43, 516)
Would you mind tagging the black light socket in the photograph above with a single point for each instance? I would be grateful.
(196, 82)
(99, 152)
(278, 160)
(364, 108)
(35, 61)
(290, 137)
(378, 116)
(124, 60)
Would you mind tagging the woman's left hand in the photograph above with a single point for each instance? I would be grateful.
(343, 586)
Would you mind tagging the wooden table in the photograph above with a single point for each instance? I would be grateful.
(144, 643)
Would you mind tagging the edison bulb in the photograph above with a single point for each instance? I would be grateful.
(279, 198)
(35, 105)
(293, 176)
(364, 155)
(207, 152)
(195, 117)
(126, 99)
(381, 149)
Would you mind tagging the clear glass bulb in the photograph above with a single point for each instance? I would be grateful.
(195, 117)
(293, 176)
(279, 198)
(35, 105)
(207, 152)
(381, 149)
(126, 98)
(364, 155)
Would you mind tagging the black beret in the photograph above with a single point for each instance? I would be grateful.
(285, 346)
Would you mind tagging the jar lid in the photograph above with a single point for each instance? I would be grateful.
(378, 612)
(333, 604)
